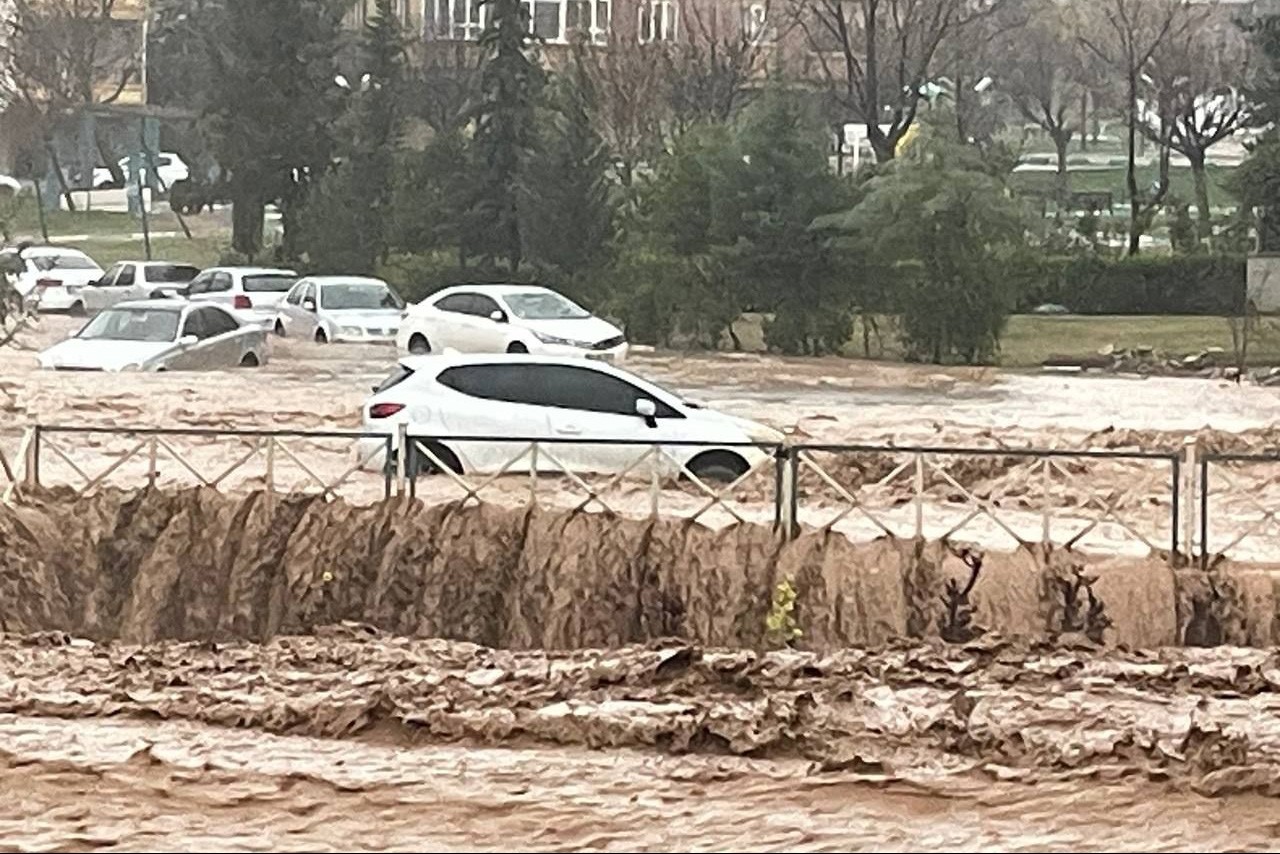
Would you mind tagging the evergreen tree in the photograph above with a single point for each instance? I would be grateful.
(511, 83)
(271, 105)
(566, 216)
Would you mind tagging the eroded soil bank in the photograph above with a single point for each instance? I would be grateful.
(193, 565)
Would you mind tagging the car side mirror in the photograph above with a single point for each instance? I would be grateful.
(188, 340)
(309, 304)
(648, 410)
(498, 316)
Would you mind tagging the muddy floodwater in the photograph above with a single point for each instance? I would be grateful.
(354, 741)
(187, 670)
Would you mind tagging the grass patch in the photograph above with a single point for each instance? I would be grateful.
(1029, 340)
(1113, 181)
(200, 251)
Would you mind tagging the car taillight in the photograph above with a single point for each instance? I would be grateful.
(385, 410)
(241, 301)
(47, 283)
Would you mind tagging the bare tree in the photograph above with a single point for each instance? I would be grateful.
(876, 55)
(62, 56)
(1043, 73)
(1197, 77)
(1126, 35)
(630, 78)
(716, 62)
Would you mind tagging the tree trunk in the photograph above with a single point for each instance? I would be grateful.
(247, 217)
(1202, 195)
(56, 165)
(110, 161)
(1061, 139)
(1084, 120)
(1131, 175)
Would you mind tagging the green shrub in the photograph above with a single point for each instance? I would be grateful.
(1179, 285)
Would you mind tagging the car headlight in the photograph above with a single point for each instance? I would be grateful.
(352, 330)
(563, 342)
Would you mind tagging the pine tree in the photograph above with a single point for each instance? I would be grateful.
(566, 216)
(505, 132)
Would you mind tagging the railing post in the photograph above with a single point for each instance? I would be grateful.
(655, 483)
(387, 450)
(791, 492)
(269, 477)
(152, 465)
(1046, 514)
(533, 474)
(919, 497)
(33, 457)
(1190, 511)
(402, 449)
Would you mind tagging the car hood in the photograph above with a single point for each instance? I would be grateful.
(589, 330)
(102, 355)
(364, 318)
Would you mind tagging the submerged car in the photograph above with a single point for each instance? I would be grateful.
(51, 278)
(340, 308)
(521, 397)
(135, 280)
(508, 319)
(160, 335)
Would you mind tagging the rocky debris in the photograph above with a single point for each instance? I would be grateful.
(1143, 360)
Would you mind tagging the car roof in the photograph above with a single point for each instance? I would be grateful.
(50, 251)
(343, 280)
(251, 271)
(154, 263)
(501, 290)
(437, 363)
(162, 304)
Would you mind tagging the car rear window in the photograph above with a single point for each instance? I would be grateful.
(63, 262)
(172, 274)
(398, 375)
(268, 284)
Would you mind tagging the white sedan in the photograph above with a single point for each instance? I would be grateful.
(52, 278)
(508, 319)
(340, 308)
(564, 399)
(160, 335)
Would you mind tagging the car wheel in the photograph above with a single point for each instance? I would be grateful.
(718, 467)
(76, 310)
(250, 360)
(517, 347)
(321, 337)
(419, 463)
(419, 345)
(279, 330)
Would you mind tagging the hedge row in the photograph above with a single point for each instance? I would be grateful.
(1198, 285)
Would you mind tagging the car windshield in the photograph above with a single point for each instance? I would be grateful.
(133, 324)
(171, 274)
(269, 283)
(44, 263)
(544, 305)
(358, 295)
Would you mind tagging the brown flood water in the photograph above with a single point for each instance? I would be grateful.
(355, 741)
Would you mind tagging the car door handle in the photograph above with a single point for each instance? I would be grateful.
(569, 430)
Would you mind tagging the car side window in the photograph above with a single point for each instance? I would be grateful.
(309, 293)
(295, 295)
(456, 303)
(200, 284)
(126, 277)
(194, 324)
(216, 322)
(221, 282)
(587, 390)
(109, 278)
(557, 386)
(482, 306)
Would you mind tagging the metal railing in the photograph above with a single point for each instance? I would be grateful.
(1158, 501)
(1238, 518)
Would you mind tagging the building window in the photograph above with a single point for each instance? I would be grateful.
(658, 20)
(550, 20)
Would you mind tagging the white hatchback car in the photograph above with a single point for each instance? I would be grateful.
(254, 294)
(485, 399)
(134, 280)
(340, 308)
(52, 278)
(507, 319)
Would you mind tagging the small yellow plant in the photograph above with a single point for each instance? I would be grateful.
(780, 627)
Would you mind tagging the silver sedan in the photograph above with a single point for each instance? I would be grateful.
(340, 308)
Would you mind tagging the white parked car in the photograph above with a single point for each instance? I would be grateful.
(134, 280)
(559, 398)
(52, 278)
(340, 308)
(170, 168)
(160, 335)
(507, 319)
(253, 294)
